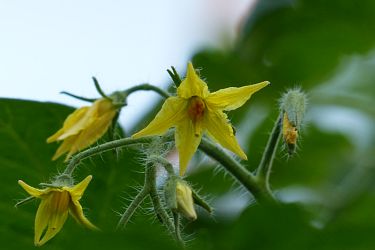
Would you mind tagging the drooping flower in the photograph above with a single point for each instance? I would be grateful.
(56, 203)
(195, 110)
(84, 127)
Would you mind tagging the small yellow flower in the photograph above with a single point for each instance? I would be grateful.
(84, 127)
(195, 110)
(185, 203)
(54, 208)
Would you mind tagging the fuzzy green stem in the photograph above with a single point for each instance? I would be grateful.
(245, 177)
(176, 219)
(265, 166)
(103, 148)
(201, 202)
(133, 206)
(156, 202)
(146, 86)
(166, 164)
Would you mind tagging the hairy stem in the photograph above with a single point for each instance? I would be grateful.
(147, 86)
(239, 172)
(265, 166)
(156, 202)
(176, 219)
(166, 164)
(75, 160)
(133, 207)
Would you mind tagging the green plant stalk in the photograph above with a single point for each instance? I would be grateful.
(265, 166)
(176, 219)
(78, 97)
(73, 162)
(138, 199)
(164, 162)
(239, 172)
(146, 86)
(156, 202)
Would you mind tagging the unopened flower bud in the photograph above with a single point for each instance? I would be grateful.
(185, 203)
(179, 197)
(292, 106)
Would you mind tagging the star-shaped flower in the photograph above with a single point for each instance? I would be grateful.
(195, 110)
(84, 127)
(53, 210)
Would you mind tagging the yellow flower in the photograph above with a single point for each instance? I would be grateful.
(54, 208)
(185, 203)
(84, 127)
(195, 110)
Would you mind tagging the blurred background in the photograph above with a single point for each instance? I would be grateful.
(325, 47)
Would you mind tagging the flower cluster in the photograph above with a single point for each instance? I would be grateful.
(193, 112)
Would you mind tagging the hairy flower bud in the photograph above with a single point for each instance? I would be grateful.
(179, 197)
(292, 106)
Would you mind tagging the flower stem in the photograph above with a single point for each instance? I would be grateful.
(146, 86)
(133, 206)
(103, 148)
(265, 166)
(156, 202)
(164, 162)
(239, 172)
(78, 97)
(176, 219)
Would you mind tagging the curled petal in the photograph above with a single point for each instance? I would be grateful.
(77, 212)
(219, 128)
(187, 142)
(92, 133)
(77, 190)
(172, 111)
(233, 98)
(73, 124)
(65, 147)
(31, 190)
(192, 85)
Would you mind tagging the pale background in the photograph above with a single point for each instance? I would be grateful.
(51, 46)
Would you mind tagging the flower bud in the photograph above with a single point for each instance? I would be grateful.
(185, 203)
(292, 106)
(179, 197)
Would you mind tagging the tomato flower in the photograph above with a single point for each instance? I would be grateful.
(195, 110)
(84, 127)
(56, 203)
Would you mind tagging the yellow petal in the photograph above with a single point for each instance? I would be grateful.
(30, 190)
(65, 147)
(233, 98)
(74, 123)
(172, 111)
(96, 129)
(192, 85)
(104, 106)
(77, 190)
(52, 214)
(220, 129)
(186, 142)
(77, 212)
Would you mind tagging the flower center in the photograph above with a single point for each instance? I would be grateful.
(196, 108)
(195, 111)
(60, 201)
